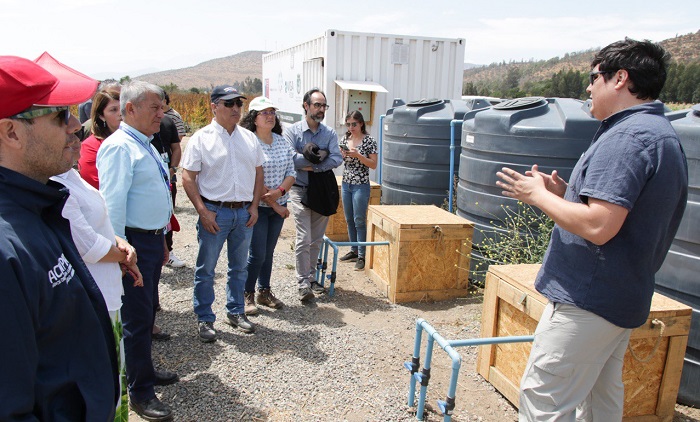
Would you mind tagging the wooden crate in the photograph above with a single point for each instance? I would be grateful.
(428, 255)
(512, 307)
(337, 228)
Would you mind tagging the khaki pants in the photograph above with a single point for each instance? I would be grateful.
(575, 368)
(310, 227)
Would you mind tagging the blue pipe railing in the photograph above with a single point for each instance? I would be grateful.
(322, 262)
(446, 406)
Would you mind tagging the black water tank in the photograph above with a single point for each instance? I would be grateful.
(550, 132)
(679, 276)
(416, 150)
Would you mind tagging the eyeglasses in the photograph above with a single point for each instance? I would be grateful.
(351, 124)
(34, 112)
(321, 106)
(593, 76)
(235, 102)
(267, 112)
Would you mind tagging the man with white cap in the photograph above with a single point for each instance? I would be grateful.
(59, 361)
(223, 177)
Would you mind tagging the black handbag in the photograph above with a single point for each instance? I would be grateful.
(322, 193)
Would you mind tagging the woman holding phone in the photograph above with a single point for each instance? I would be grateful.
(359, 155)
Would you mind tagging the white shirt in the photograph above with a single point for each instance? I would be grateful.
(93, 235)
(226, 163)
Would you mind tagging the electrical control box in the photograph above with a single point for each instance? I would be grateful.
(362, 102)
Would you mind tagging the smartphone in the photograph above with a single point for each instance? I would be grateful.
(344, 147)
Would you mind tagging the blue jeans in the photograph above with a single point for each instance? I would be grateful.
(355, 203)
(233, 231)
(262, 248)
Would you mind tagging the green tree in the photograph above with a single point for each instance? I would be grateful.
(124, 79)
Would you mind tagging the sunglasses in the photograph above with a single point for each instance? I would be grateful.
(35, 112)
(267, 112)
(353, 124)
(321, 106)
(235, 102)
(593, 76)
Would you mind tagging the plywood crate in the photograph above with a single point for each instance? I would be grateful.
(428, 254)
(512, 307)
(337, 228)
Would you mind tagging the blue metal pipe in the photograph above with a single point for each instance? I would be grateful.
(452, 161)
(323, 252)
(381, 147)
(490, 340)
(448, 346)
(416, 359)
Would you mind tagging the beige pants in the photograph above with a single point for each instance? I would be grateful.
(575, 368)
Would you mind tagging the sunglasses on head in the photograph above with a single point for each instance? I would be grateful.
(235, 102)
(353, 124)
(34, 112)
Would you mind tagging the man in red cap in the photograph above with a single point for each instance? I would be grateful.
(59, 358)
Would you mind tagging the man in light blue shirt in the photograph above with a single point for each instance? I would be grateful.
(310, 225)
(134, 181)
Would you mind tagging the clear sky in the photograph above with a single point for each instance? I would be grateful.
(128, 37)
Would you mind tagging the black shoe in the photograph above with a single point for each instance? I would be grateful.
(317, 288)
(152, 410)
(166, 378)
(305, 294)
(240, 321)
(207, 333)
(360, 264)
(160, 336)
(350, 256)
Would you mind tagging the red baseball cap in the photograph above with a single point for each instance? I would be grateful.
(47, 82)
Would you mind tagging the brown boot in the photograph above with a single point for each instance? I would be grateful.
(250, 308)
(266, 298)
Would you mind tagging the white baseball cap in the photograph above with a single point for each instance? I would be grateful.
(261, 103)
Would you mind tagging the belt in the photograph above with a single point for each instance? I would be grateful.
(153, 232)
(225, 204)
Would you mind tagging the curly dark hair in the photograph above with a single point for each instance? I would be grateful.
(645, 62)
(248, 122)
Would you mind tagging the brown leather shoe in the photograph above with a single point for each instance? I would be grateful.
(152, 410)
(250, 308)
(266, 298)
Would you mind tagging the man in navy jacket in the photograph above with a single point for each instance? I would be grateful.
(58, 358)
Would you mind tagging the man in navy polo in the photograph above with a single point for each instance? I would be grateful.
(58, 353)
(615, 222)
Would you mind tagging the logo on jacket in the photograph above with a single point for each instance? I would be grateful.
(61, 272)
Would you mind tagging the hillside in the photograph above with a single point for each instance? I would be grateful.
(224, 70)
(684, 49)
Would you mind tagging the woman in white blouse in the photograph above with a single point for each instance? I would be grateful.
(105, 255)
(279, 172)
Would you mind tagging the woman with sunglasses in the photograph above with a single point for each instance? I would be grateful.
(105, 117)
(279, 172)
(359, 154)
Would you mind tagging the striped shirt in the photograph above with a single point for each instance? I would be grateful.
(179, 123)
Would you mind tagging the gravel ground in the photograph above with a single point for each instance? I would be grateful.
(336, 359)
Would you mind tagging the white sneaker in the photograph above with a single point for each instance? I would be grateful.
(174, 262)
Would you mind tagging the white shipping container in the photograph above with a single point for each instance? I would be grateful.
(363, 71)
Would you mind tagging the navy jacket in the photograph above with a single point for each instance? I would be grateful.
(58, 357)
